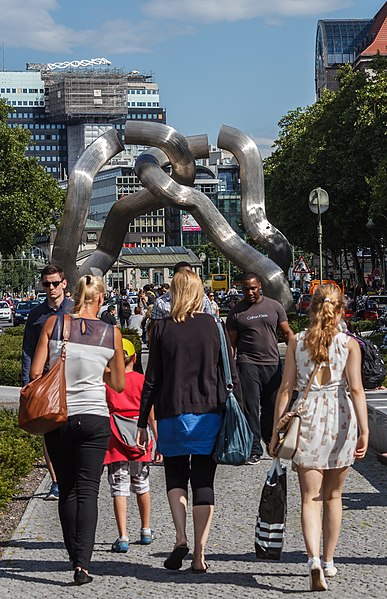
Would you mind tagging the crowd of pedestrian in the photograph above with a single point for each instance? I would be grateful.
(172, 415)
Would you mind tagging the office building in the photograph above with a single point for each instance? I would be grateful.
(68, 105)
(352, 41)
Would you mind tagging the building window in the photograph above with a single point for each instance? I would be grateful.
(170, 272)
(92, 236)
(144, 273)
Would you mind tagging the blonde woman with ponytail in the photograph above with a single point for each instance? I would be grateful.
(77, 449)
(334, 429)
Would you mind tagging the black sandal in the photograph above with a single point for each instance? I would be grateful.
(174, 560)
(200, 570)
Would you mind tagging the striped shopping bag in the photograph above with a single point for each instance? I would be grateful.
(270, 527)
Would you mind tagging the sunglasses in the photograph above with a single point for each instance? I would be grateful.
(53, 283)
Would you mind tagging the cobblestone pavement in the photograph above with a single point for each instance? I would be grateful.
(35, 564)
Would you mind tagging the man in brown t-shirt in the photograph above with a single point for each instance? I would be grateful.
(252, 326)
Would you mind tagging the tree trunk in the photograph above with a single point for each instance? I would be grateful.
(358, 269)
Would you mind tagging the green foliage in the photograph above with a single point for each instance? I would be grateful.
(10, 356)
(339, 144)
(18, 274)
(18, 453)
(28, 195)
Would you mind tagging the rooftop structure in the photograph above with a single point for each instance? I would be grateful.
(347, 41)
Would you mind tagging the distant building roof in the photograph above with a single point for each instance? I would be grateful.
(378, 34)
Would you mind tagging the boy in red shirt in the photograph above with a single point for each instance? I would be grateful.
(128, 467)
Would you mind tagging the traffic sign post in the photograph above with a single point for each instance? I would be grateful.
(318, 204)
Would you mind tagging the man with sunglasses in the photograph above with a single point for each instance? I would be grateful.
(54, 285)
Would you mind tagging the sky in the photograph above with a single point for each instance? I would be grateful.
(242, 63)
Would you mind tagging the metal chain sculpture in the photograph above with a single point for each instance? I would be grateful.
(168, 147)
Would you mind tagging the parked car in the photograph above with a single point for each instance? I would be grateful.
(381, 302)
(304, 303)
(371, 310)
(22, 311)
(5, 311)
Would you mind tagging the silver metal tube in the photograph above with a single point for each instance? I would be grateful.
(132, 205)
(253, 196)
(72, 225)
(216, 228)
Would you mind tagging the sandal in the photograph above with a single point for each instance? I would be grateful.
(174, 560)
(200, 570)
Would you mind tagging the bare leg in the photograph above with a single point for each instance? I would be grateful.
(143, 502)
(49, 463)
(178, 503)
(202, 518)
(120, 514)
(311, 486)
(332, 510)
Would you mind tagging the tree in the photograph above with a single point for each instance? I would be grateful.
(28, 195)
(18, 274)
(339, 144)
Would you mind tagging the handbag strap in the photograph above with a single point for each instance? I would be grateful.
(307, 388)
(225, 358)
(66, 334)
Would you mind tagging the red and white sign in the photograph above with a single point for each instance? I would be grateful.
(301, 267)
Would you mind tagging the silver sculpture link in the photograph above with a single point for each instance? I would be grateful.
(164, 190)
(252, 181)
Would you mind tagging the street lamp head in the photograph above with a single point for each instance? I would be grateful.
(370, 224)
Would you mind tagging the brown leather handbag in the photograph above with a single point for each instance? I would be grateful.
(43, 406)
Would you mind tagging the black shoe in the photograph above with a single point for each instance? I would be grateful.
(174, 560)
(253, 459)
(81, 577)
(382, 458)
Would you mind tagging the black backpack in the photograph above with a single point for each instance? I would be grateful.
(373, 369)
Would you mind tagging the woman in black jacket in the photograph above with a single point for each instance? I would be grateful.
(185, 384)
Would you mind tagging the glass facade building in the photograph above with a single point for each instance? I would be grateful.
(337, 43)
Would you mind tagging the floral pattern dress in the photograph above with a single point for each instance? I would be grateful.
(328, 422)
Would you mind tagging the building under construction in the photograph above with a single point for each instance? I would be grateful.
(86, 94)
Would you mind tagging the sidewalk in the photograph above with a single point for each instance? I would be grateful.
(35, 565)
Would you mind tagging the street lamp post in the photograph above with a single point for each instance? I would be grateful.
(318, 204)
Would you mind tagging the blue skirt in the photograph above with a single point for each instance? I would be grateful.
(188, 434)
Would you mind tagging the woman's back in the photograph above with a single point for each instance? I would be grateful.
(89, 349)
(333, 371)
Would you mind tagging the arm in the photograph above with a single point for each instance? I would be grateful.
(285, 391)
(153, 424)
(286, 331)
(30, 341)
(115, 376)
(153, 378)
(356, 391)
(41, 352)
(232, 333)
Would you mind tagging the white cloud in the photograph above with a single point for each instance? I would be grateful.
(264, 145)
(30, 25)
(227, 10)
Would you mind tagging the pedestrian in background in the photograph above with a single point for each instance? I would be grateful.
(214, 305)
(54, 284)
(329, 441)
(252, 325)
(128, 467)
(185, 384)
(77, 449)
(109, 315)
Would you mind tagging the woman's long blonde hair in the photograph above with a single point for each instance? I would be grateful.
(187, 295)
(326, 305)
(86, 292)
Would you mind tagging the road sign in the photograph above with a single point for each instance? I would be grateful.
(318, 197)
(301, 267)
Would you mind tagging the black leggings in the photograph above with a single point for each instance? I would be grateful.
(200, 470)
(77, 450)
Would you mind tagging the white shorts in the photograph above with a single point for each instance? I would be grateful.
(128, 476)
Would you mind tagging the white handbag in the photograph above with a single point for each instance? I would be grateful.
(289, 425)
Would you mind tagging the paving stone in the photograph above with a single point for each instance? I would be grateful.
(35, 564)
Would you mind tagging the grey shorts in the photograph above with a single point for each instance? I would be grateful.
(128, 476)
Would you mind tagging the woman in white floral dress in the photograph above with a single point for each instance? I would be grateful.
(334, 411)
